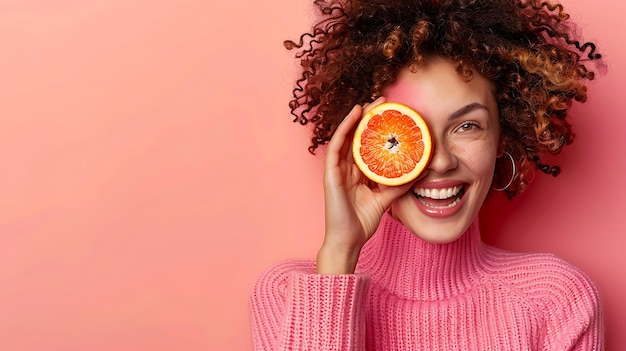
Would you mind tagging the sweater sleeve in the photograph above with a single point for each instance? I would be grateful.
(293, 308)
(571, 306)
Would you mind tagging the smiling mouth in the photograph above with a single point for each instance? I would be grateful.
(440, 198)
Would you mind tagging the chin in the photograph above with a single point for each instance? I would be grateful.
(439, 233)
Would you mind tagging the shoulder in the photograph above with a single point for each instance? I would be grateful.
(276, 276)
(546, 278)
(561, 293)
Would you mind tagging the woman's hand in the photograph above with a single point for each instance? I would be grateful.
(353, 206)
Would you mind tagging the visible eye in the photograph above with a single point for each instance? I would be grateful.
(467, 126)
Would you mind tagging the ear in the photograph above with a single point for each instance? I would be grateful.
(501, 145)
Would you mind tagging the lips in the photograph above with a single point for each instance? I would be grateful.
(439, 201)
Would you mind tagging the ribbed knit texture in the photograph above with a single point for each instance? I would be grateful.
(408, 294)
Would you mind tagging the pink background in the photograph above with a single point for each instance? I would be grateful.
(150, 171)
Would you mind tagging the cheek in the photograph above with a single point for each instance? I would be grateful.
(480, 161)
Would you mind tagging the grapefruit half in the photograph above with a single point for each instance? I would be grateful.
(392, 144)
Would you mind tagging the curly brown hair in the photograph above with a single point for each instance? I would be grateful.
(528, 48)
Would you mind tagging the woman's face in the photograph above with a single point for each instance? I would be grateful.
(464, 122)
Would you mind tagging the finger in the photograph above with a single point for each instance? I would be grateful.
(374, 103)
(337, 148)
(389, 194)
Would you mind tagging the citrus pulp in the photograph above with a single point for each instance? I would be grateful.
(392, 144)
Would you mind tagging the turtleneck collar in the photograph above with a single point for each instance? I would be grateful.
(412, 268)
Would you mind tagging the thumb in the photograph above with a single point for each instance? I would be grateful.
(389, 194)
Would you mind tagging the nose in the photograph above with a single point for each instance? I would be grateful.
(443, 158)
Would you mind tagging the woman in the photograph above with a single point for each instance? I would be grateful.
(403, 268)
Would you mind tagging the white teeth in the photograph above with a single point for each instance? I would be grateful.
(452, 204)
(438, 194)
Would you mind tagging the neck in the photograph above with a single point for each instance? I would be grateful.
(415, 269)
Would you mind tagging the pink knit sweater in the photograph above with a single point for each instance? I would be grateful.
(408, 294)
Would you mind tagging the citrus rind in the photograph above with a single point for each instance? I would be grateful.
(392, 144)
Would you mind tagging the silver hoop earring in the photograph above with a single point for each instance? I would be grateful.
(512, 177)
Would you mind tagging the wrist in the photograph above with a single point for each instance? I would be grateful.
(331, 260)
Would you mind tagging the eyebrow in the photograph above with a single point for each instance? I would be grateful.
(467, 109)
